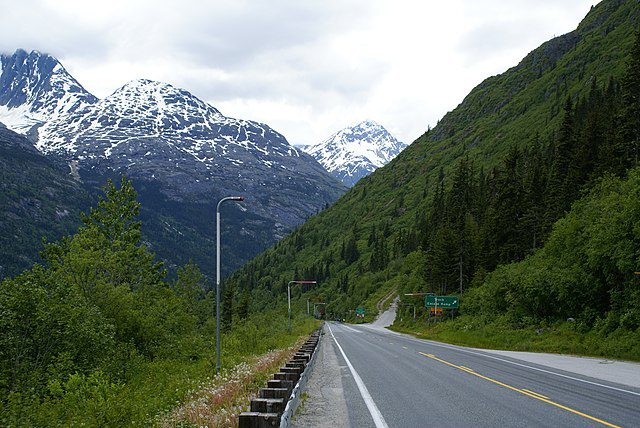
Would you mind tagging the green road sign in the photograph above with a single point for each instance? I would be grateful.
(359, 311)
(444, 302)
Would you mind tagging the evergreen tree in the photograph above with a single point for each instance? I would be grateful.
(558, 197)
(588, 140)
(630, 114)
(508, 211)
(244, 304)
(350, 250)
(379, 257)
(533, 201)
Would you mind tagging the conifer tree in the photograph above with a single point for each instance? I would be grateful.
(244, 303)
(557, 196)
(630, 115)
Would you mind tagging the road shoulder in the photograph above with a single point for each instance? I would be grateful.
(621, 372)
(325, 403)
(625, 373)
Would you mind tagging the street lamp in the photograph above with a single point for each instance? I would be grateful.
(314, 307)
(228, 198)
(295, 281)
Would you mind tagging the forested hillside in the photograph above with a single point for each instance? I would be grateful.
(585, 273)
(42, 204)
(486, 185)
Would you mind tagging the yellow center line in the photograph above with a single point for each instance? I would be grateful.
(535, 393)
(521, 391)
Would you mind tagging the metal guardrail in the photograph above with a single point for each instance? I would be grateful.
(277, 403)
(296, 394)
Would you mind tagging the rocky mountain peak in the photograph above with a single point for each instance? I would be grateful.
(356, 151)
(145, 92)
(35, 87)
(182, 153)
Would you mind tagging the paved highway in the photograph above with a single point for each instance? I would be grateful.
(389, 379)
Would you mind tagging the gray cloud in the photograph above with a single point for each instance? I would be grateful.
(307, 68)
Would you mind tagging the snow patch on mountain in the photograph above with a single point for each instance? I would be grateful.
(356, 151)
(182, 153)
(35, 88)
(144, 109)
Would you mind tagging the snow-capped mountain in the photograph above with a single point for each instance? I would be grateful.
(34, 88)
(119, 125)
(356, 151)
(175, 146)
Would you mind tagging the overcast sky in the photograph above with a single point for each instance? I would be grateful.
(306, 68)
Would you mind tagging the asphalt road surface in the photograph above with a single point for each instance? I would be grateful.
(389, 379)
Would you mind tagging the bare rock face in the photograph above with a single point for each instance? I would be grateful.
(182, 153)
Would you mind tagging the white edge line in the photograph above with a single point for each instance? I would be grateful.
(482, 354)
(371, 405)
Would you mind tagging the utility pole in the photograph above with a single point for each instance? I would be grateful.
(228, 198)
(460, 274)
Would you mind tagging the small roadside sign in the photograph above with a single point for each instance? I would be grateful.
(444, 302)
(359, 311)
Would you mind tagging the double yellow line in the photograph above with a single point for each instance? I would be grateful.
(521, 391)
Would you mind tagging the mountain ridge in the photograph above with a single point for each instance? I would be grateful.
(356, 151)
(178, 150)
(35, 87)
(46, 202)
(353, 247)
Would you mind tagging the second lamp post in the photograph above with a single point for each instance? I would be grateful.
(295, 281)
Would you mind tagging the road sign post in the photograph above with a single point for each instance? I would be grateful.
(436, 304)
(444, 302)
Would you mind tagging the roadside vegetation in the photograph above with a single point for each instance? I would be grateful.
(218, 402)
(100, 336)
(579, 291)
(578, 294)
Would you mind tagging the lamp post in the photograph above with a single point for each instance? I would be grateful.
(228, 198)
(314, 307)
(295, 281)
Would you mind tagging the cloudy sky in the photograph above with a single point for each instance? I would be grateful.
(306, 68)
